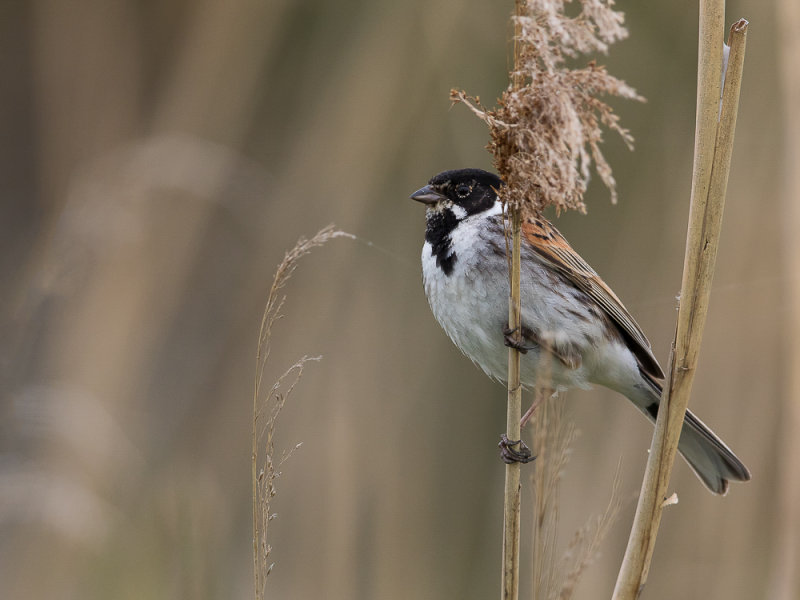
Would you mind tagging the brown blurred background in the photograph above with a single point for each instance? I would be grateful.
(158, 158)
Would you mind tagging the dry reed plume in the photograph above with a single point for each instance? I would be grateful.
(267, 407)
(547, 128)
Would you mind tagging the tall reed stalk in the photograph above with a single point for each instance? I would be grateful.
(545, 134)
(513, 489)
(713, 147)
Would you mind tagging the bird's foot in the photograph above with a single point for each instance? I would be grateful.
(509, 455)
(512, 342)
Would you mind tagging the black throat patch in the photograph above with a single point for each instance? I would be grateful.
(439, 227)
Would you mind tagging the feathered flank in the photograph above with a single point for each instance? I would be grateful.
(551, 247)
(546, 132)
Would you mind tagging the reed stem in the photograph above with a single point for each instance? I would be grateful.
(513, 489)
(713, 147)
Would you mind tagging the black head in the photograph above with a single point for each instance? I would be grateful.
(451, 197)
(472, 190)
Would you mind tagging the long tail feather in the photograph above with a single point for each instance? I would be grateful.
(708, 456)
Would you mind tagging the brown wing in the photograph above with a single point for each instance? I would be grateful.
(553, 248)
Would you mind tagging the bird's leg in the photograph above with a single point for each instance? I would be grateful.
(539, 396)
(529, 413)
(512, 342)
(509, 455)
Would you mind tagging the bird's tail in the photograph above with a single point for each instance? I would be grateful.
(708, 456)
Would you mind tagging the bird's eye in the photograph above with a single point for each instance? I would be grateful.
(463, 190)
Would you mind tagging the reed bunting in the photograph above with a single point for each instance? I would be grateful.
(575, 331)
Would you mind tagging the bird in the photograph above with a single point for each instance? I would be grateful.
(574, 333)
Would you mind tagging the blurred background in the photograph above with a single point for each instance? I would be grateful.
(158, 159)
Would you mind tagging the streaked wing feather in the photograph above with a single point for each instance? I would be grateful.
(554, 248)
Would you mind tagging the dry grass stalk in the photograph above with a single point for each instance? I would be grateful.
(585, 545)
(513, 489)
(269, 470)
(552, 436)
(267, 407)
(512, 498)
(713, 147)
(557, 578)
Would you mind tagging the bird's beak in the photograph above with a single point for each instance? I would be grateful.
(427, 195)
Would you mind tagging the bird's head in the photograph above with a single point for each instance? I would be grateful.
(462, 192)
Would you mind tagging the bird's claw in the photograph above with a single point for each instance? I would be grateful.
(512, 342)
(509, 455)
